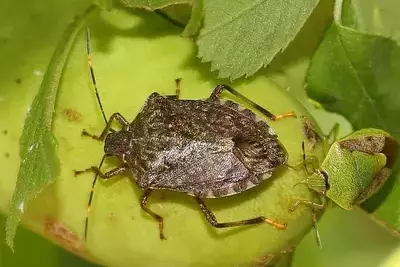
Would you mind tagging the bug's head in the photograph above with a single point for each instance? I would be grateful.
(118, 143)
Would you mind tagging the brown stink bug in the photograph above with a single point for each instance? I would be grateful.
(203, 148)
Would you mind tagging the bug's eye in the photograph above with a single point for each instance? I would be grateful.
(326, 179)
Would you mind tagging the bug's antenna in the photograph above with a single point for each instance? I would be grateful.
(88, 49)
(318, 237)
(91, 197)
(304, 156)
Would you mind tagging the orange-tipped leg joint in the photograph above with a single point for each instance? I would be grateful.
(281, 226)
(284, 115)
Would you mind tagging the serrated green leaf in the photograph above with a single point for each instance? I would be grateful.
(240, 37)
(362, 80)
(356, 74)
(39, 164)
(153, 4)
(196, 18)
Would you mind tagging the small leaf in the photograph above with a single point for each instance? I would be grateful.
(153, 4)
(357, 74)
(239, 37)
(39, 164)
(196, 19)
(361, 80)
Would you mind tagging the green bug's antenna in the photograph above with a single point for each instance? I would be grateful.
(305, 181)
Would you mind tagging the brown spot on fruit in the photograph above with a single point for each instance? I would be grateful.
(61, 233)
(275, 259)
(263, 260)
(72, 115)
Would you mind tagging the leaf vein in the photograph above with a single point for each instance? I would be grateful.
(359, 82)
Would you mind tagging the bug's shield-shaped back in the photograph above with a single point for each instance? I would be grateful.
(202, 148)
(358, 165)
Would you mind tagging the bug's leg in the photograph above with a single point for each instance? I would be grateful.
(98, 173)
(115, 116)
(213, 220)
(106, 175)
(216, 94)
(315, 225)
(307, 160)
(158, 218)
(314, 205)
(333, 133)
(304, 165)
(177, 89)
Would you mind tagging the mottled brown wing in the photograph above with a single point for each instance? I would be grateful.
(197, 119)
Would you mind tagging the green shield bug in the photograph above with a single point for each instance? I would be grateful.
(354, 168)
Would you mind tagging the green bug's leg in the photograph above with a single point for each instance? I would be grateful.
(314, 205)
(315, 225)
(296, 204)
(307, 160)
(305, 165)
(333, 133)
